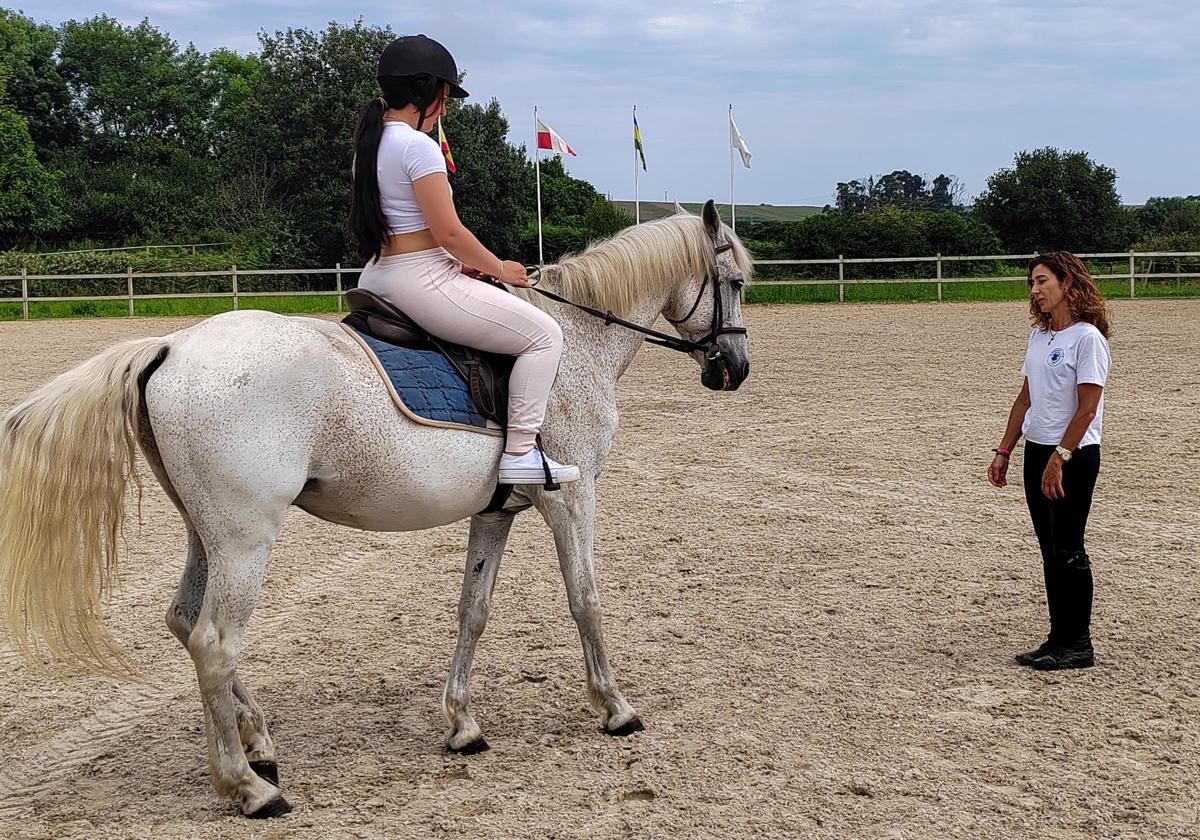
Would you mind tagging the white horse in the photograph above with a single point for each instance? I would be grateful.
(248, 413)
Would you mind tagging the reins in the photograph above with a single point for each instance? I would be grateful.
(707, 344)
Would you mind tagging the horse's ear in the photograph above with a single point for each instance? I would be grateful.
(712, 222)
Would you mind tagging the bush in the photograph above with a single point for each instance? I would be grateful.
(604, 219)
(557, 241)
(889, 232)
(118, 262)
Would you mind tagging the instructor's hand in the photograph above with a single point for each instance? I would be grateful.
(1052, 485)
(998, 471)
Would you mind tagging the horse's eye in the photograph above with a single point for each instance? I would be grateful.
(737, 283)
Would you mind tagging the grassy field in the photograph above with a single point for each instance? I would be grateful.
(900, 291)
(182, 306)
(759, 292)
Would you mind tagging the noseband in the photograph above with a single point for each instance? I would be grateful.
(707, 343)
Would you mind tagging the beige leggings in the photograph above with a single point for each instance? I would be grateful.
(430, 288)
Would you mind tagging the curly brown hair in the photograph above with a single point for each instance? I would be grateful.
(1083, 297)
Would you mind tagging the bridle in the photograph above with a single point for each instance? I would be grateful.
(706, 343)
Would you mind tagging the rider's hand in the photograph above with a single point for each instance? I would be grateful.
(513, 273)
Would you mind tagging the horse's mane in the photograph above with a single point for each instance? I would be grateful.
(614, 274)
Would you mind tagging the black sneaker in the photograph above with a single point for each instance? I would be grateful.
(1065, 657)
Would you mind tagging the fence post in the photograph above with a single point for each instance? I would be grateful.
(841, 279)
(233, 274)
(1132, 293)
(129, 287)
(939, 276)
(339, 287)
(24, 293)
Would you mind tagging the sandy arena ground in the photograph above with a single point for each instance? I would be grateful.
(811, 595)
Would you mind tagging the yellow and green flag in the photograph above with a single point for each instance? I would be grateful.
(637, 142)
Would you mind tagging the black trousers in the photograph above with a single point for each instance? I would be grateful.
(1060, 525)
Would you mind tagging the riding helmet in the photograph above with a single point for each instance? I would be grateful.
(412, 55)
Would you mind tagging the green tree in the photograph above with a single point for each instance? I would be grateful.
(901, 189)
(1052, 200)
(133, 83)
(35, 88)
(887, 232)
(295, 128)
(493, 188)
(946, 193)
(603, 219)
(1168, 224)
(233, 78)
(1168, 215)
(565, 200)
(30, 201)
(142, 167)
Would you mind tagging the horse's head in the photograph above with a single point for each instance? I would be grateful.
(708, 309)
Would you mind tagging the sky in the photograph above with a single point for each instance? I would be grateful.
(822, 91)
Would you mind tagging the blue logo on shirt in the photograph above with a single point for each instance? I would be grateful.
(1056, 357)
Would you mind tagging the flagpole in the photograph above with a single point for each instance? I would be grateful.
(637, 202)
(732, 205)
(537, 157)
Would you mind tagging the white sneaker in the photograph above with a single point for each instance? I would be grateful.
(527, 469)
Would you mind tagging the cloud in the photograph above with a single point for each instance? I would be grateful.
(825, 90)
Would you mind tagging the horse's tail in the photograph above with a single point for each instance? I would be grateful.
(66, 458)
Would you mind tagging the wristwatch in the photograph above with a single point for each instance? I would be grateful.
(1063, 453)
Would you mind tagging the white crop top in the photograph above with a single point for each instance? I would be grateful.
(405, 155)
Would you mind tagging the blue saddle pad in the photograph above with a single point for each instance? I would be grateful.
(426, 383)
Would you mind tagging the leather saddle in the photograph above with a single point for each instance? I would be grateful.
(485, 374)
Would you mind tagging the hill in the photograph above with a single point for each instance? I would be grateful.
(746, 212)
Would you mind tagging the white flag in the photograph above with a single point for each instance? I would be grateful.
(736, 142)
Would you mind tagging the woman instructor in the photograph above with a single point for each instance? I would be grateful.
(1060, 411)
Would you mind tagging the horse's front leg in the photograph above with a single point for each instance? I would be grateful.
(485, 547)
(571, 515)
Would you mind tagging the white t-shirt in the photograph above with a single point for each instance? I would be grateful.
(1055, 363)
(405, 155)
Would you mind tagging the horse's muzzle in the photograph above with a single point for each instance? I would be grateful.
(719, 374)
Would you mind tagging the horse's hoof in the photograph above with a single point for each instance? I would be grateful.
(268, 771)
(630, 726)
(477, 746)
(277, 807)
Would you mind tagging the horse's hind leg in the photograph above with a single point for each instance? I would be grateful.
(185, 608)
(485, 547)
(181, 619)
(237, 563)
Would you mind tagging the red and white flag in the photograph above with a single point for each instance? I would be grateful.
(548, 138)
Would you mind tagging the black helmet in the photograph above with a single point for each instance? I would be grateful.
(412, 55)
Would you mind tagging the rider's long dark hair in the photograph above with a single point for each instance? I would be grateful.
(367, 222)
